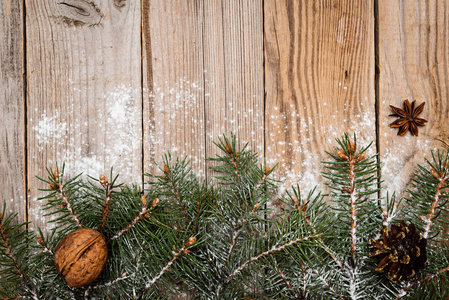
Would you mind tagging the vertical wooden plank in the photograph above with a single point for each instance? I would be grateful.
(12, 169)
(414, 63)
(205, 78)
(173, 81)
(84, 91)
(233, 62)
(319, 74)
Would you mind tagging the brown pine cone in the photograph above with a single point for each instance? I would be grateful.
(402, 251)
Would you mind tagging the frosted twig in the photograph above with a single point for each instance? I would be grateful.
(271, 251)
(67, 204)
(123, 276)
(328, 286)
(142, 214)
(289, 286)
(45, 249)
(429, 219)
(13, 259)
(164, 269)
(8, 248)
(236, 233)
(353, 203)
(175, 192)
(389, 216)
(108, 190)
(302, 209)
(415, 284)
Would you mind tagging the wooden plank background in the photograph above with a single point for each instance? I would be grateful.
(118, 83)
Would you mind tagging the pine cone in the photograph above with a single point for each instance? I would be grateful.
(81, 256)
(402, 250)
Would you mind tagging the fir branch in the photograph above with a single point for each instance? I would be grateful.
(68, 206)
(348, 154)
(45, 246)
(268, 252)
(289, 286)
(108, 191)
(167, 172)
(122, 277)
(235, 234)
(183, 249)
(415, 284)
(230, 150)
(143, 214)
(302, 210)
(328, 286)
(390, 212)
(304, 282)
(20, 252)
(438, 190)
(8, 247)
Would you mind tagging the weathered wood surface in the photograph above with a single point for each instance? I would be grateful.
(84, 90)
(12, 134)
(203, 66)
(413, 63)
(174, 82)
(319, 82)
(118, 83)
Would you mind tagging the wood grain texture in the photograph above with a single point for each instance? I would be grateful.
(414, 63)
(173, 81)
(206, 77)
(84, 91)
(233, 66)
(12, 110)
(319, 81)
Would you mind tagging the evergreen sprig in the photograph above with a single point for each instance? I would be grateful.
(223, 239)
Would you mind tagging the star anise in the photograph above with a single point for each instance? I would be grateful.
(408, 118)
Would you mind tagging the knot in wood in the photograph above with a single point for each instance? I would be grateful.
(79, 13)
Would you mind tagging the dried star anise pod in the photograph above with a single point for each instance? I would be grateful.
(402, 251)
(408, 118)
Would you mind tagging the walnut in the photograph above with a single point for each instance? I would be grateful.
(81, 256)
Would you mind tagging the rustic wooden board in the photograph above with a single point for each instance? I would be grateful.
(233, 66)
(319, 82)
(12, 110)
(84, 90)
(203, 64)
(173, 82)
(413, 62)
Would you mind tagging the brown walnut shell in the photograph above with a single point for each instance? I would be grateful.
(81, 256)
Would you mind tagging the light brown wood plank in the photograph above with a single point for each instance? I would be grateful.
(414, 63)
(173, 81)
(233, 63)
(319, 74)
(84, 91)
(12, 110)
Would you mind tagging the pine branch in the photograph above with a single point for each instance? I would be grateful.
(328, 286)
(348, 154)
(183, 249)
(8, 247)
(436, 198)
(122, 277)
(143, 214)
(15, 249)
(414, 285)
(271, 251)
(45, 246)
(68, 206)
(169, 179)
(302, 210)
(108, 191)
